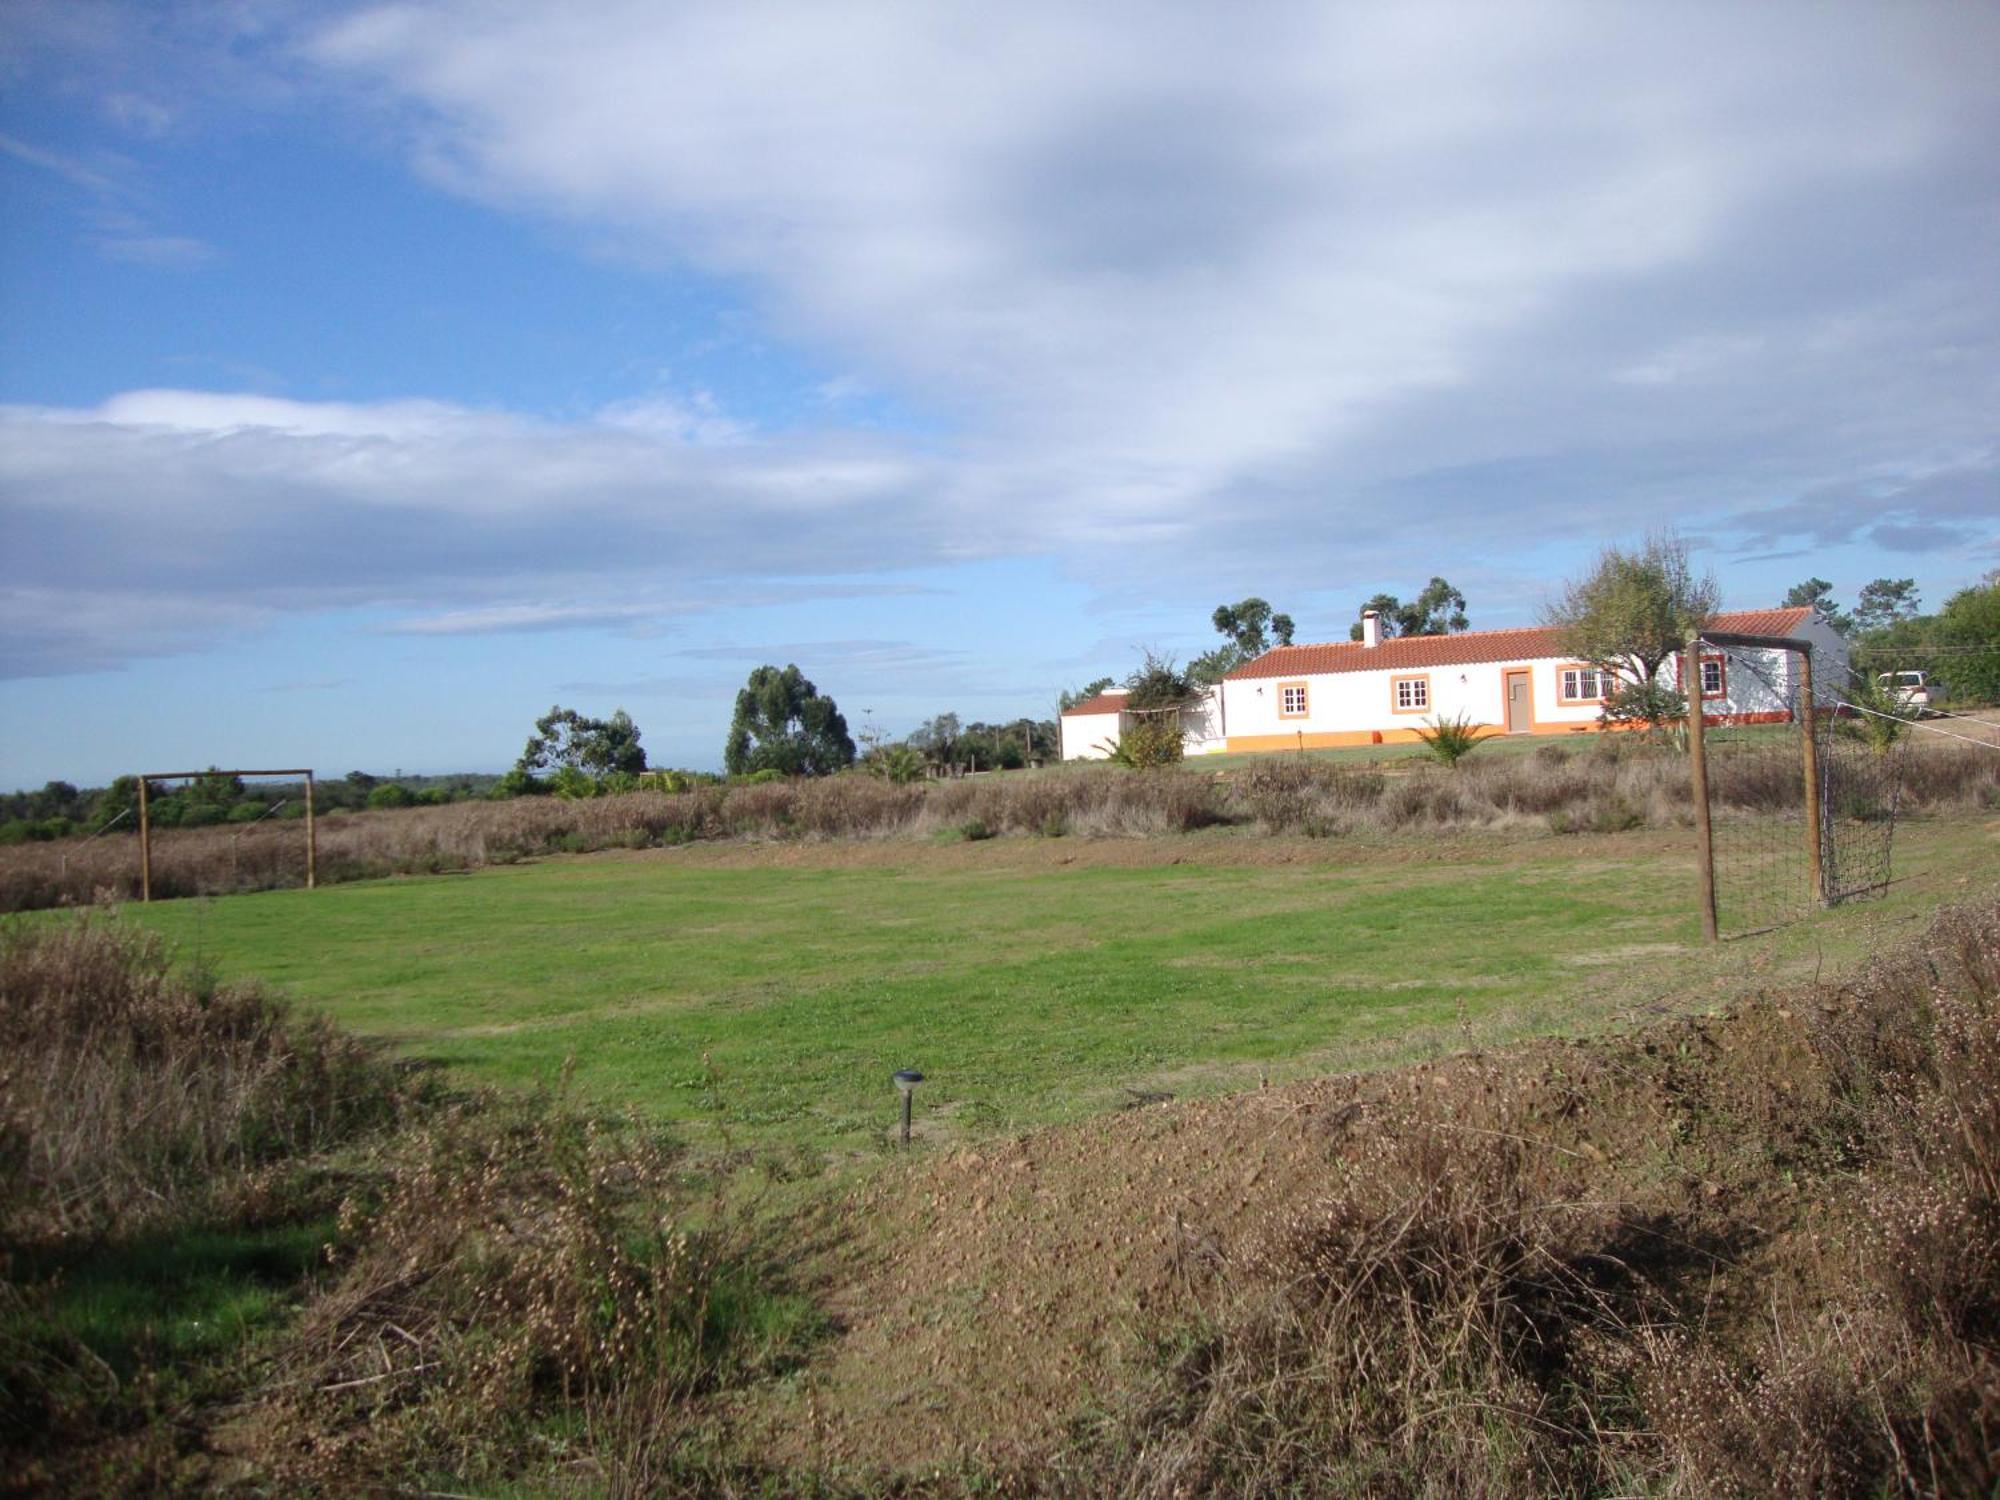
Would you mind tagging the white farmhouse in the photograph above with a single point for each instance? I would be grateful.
(1377, 691)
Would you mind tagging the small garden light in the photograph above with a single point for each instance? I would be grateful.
(907, 1080)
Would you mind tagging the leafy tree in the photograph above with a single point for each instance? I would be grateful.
(565, 740)
(1159, 683)
(212, 789)
(1438, 610)
(1630, 613)
(938, 741)
(118, 802)
(784, 724)
(1245, 624)
(1249, 628)
(1651, 703)
(1817, 593)
(391, 794)
(1967, 630)
(1885, 602)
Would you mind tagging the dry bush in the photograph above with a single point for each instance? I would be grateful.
(1751, 1256)
(128, 1092)
(513, 1290)
(515, 1268)
(1418, 1308)
(1950, 775)
(1288, 795)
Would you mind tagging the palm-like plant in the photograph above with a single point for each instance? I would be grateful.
(1449, 741)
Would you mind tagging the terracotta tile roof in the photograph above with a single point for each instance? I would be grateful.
(1761, 621)
(1416, 652)
(1103, 703)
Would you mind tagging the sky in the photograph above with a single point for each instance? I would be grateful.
(374, 376)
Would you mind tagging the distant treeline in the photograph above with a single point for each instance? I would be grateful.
(59, 810)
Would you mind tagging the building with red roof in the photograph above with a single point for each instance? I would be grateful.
(1381, 690)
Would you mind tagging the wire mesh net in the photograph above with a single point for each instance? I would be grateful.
(1756, 778)
(1763, 832)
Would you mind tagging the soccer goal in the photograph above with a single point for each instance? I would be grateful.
(146, 778)
(1790, 816)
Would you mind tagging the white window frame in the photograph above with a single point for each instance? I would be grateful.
(1570, 683)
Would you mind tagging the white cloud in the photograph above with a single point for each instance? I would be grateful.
(1219, 299)
(1194, 243)
(229, 508)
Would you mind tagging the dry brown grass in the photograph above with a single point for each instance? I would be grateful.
(1758, 1256)
(128, 1093)
(514, 1280)
(1606, 788)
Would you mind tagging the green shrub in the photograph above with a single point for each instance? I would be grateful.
(1154, 741)
(1879, 719)
(574, 785)
(897, 764)
(517, 783)
(391, 794)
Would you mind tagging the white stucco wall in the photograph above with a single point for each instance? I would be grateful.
(1083, 734)
(1202, 726)
(1362, 702)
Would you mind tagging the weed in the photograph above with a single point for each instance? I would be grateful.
(1449, 741)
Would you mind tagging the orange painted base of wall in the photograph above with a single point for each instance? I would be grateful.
(1343, 739)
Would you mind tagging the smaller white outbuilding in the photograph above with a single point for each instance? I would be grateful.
(1091, 727)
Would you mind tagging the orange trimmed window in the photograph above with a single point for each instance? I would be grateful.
(1410, 695)
(1580, 682)
(1714, 677)
(1291, 700)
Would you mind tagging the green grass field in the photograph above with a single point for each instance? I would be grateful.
(764, 995)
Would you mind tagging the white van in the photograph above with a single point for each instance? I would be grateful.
(1910, 689)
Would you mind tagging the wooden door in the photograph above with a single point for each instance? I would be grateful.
(1520, 705)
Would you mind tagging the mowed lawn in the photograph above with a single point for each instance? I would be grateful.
(768, 994)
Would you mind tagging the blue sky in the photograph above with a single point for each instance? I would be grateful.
(374, 376)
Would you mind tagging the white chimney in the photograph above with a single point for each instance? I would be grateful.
(1371, 628)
